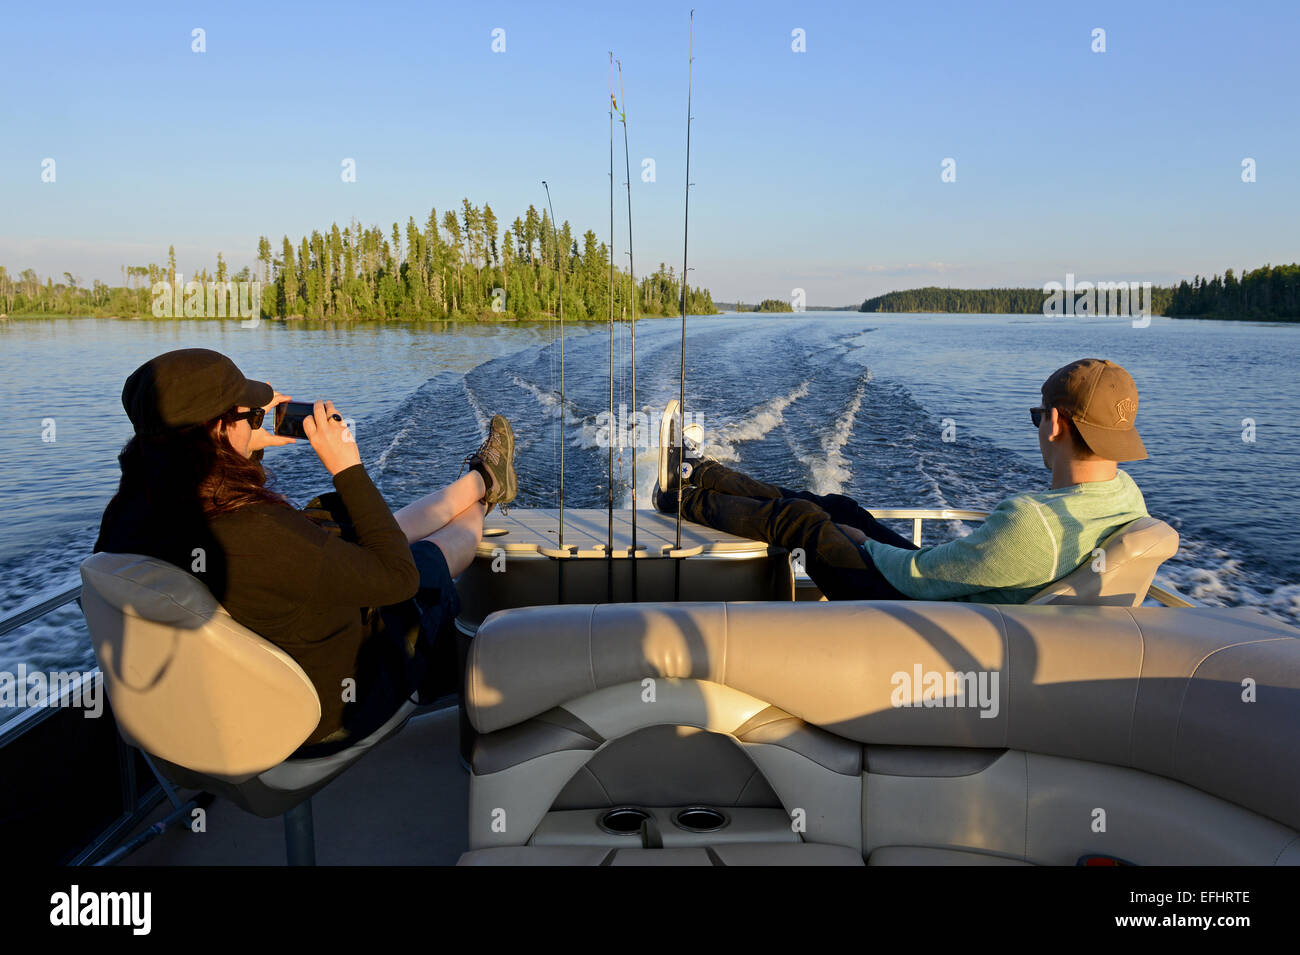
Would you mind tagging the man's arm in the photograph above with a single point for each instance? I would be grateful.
(1013, 547)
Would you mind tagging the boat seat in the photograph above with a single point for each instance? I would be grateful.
(924, 855)
(733, 854)
(212, 704)
(1122, 573)
(900, 732)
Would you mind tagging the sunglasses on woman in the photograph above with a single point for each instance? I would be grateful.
(253, 416)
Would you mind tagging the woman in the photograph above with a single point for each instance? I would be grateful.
(332, 586)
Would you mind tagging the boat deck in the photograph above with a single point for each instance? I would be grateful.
(405, 803)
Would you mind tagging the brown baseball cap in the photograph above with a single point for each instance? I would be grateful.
(1102, 399)
(186, 387)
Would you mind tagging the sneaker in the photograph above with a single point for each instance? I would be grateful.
(669, 452)
(674, 468)
(495, 460)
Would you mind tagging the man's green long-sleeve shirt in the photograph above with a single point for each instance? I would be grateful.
(1028, 541)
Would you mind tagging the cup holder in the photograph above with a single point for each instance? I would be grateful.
(623, 820)
(700, 819)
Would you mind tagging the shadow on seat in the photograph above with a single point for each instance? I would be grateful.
(212, 705)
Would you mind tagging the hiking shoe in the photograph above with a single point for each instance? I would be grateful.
(668, 438)
(675, 468)
(495, 460)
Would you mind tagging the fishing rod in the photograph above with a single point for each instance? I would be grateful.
(559, 272)
(631, 268)
(686, 230)
(610, 505)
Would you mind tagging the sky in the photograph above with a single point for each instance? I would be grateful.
(818, 170)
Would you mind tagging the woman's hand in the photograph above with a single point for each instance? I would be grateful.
(331, 439)
(262, 438)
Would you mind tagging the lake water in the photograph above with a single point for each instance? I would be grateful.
(834, 401)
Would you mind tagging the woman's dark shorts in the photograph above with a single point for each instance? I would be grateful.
(411, 651)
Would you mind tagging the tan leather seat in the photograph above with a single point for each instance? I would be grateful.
(1122, 573)
(213, 705)
(902, 731)
(920, 855)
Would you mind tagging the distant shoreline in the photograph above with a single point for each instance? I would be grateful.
(599, 322)
(304, 321)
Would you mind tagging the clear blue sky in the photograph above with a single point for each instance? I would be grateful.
(818, 170)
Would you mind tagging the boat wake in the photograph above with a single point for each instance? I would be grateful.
(758, 424)
(550, 402)
(829, 470)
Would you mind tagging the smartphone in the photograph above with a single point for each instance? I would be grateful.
(289, 417)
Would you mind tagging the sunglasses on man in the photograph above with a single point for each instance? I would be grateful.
(1036, 415)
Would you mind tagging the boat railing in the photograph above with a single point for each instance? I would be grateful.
(24, 614)
(918, 515)
(138, 790)
(35, 609)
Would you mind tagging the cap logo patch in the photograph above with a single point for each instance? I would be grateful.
(1124, 410)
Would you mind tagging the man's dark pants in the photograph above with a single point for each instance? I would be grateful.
(729, 501)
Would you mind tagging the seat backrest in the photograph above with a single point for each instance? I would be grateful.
(1123, 571)
(187, 683)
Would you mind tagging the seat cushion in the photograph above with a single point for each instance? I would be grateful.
(743, 853)
(922, 855)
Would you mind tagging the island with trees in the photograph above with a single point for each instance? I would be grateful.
(767, 305)
(460, 267)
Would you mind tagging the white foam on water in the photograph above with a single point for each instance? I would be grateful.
(480, 416)
(932, 484)
(382, 460)
(830, 470)
(1207, 574)
(762, 420)
(549, 402)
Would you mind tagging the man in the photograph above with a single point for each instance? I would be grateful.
(1086, 424)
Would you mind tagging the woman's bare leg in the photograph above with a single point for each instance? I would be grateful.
(422, 518)
(458, 538)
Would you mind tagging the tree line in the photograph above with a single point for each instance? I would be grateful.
(767, 305)
(459, 267)
(1271, 293)
(988, 301)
